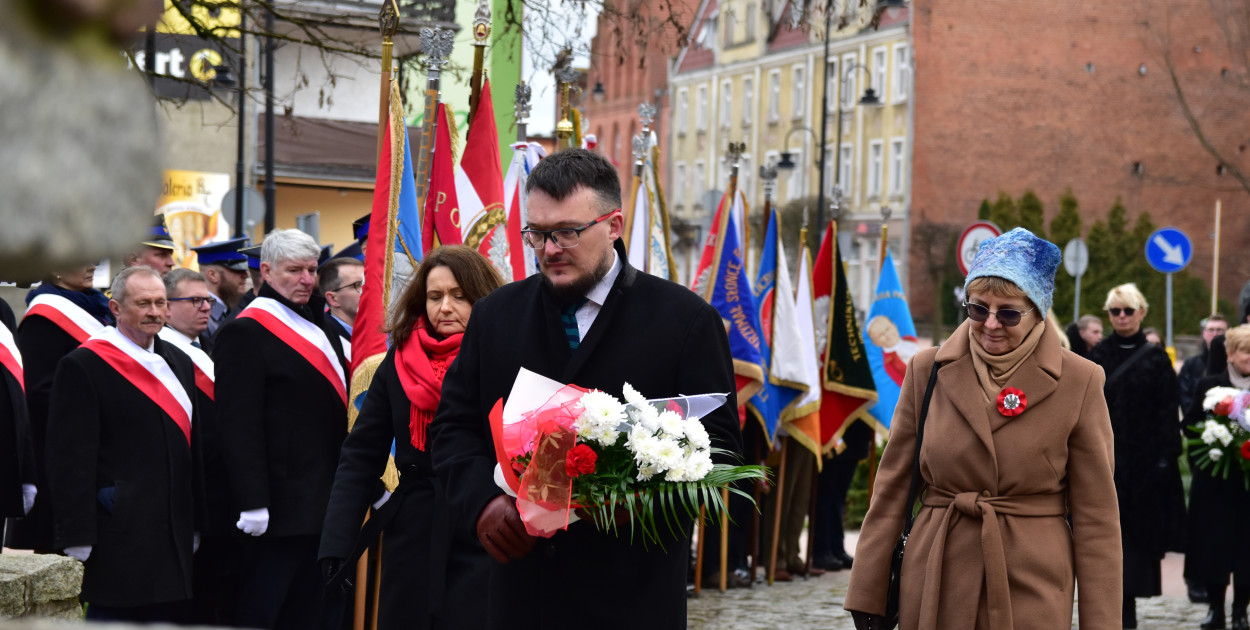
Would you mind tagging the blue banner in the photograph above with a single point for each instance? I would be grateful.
(732, 298)
(890, 341)
(769, 402)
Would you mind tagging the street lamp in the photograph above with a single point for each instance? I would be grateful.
(598, 93)
(787, 156)
(870, 99)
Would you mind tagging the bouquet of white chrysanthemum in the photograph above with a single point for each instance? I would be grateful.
(1226, 428)
(638, 461)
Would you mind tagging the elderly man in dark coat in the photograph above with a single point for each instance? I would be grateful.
(123, 464)
(593, 320)
(17, 457)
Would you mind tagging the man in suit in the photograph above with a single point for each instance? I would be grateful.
(593, 320)
(190, 304)
(225, 270)
(123, 463)
(17, 457)
(340, 280)
(282, 403)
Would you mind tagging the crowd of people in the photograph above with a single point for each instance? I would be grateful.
(188, 439)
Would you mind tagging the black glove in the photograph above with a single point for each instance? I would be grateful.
(501, 531)
(866, 621)
(329, 568)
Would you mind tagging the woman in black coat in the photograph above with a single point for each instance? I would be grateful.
(433, 573)
(1219, 509)
(1143, 399)
(43, 341)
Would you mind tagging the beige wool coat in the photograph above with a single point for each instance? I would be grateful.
(991, 548)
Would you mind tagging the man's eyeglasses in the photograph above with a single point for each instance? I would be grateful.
(1007, 317)
(1115, 312)
(564, 238)
(196, 300)
(355, 285)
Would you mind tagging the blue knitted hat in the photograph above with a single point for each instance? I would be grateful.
(1019, 256)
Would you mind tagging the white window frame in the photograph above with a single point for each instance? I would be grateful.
(680, 183)
(798, 90)
(794, 183)
(748, 100)
(880, 66)
(876, 168)
(849, 81)
(834, 82)
(848, 171)
(898, 166)
(683, 110)
(698, 185)
(774, 95)
(701, 109)
(731, 22)
(902, 72)
(726, 103)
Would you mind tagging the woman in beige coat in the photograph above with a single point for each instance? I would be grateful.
(1001, 475)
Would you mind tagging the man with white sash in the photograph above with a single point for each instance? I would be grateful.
(123, 461)
(17, 457)
(282, 402)
(61, 313)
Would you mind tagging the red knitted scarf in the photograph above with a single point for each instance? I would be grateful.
(422, 363)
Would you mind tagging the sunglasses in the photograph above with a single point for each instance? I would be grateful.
(1008, 317)
(1115, 312)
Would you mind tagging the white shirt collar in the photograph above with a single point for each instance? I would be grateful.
(599, 294)
(179, 333)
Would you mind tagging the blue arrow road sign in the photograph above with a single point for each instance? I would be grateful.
(1168, 250)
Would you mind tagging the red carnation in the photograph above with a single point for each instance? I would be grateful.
(1011, 402)
(580, 461)
(1224, 407)
(1245, 449)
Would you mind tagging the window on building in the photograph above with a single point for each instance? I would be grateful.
(745, 179)
(750, 21)
(896, 167)
(748, 100)
(831, 79)
(683, 110)
(878, 72)
(831, 174)
(848, 82)
(726, 102)
(700, 112)
(847, 177)
(699, 186)
(875, 166)
(731, 23)
(902, 72)
(680, 185)
(774, 95)
(794, 183)
(798, 91)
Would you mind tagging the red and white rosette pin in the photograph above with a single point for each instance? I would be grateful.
(1011, 402)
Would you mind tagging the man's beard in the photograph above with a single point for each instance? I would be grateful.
(578, 289)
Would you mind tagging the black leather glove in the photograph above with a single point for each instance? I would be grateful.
(866, 621)
(501, 531)
(329, 568)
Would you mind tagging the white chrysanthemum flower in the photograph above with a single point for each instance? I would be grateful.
(1223, 434)
(669, 453)
(697, 435)
(1215, 454)
(633, 397)
(672, 424)
(646, 472)
(1216, 394)
(698, 466)
(677, 473)
(603, 408)
(1209, 429)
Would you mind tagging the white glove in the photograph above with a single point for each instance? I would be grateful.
(28, 497)
(254, 522)
(386, 494)
(81, 553)
(195, 542)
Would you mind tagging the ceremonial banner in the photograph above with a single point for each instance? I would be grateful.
(890, 341)
(525, 155)
(845, 372)
(442, 203)
(729, 291)
(782, 349)
(647, 222)
(805, 429)
(485, 229)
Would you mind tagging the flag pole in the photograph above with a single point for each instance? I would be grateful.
(735, 159)
(631, 215)
(872, 444)
(436, 43)
(521, 110)
(481, 34)
(566, 75)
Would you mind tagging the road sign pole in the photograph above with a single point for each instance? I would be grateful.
(1168, 343)
(1076, 304)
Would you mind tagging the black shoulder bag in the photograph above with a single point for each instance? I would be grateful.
(896, 560)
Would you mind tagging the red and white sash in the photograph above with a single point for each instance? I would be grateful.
(205, 377)
(301, 335)
(69, 316)
(10, 357)
(147, 371)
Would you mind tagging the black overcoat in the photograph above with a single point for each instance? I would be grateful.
(1144, 406)
(658, 336)
(43, 344)
(431, 567)
(281, 423)
(17, 457)
(123, 479)
(1219, 509)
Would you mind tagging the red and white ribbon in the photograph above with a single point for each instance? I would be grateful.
(10, 356)
(301, 335)
(205, 376)
(147, 371)
(69, 316)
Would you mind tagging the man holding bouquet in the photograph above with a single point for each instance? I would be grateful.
(592, 320)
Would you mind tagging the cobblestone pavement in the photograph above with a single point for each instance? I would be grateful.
(817, 603)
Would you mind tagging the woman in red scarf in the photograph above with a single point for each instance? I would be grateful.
(432, 570)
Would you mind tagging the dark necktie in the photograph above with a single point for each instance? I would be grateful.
(195, 344)
(568, 317)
